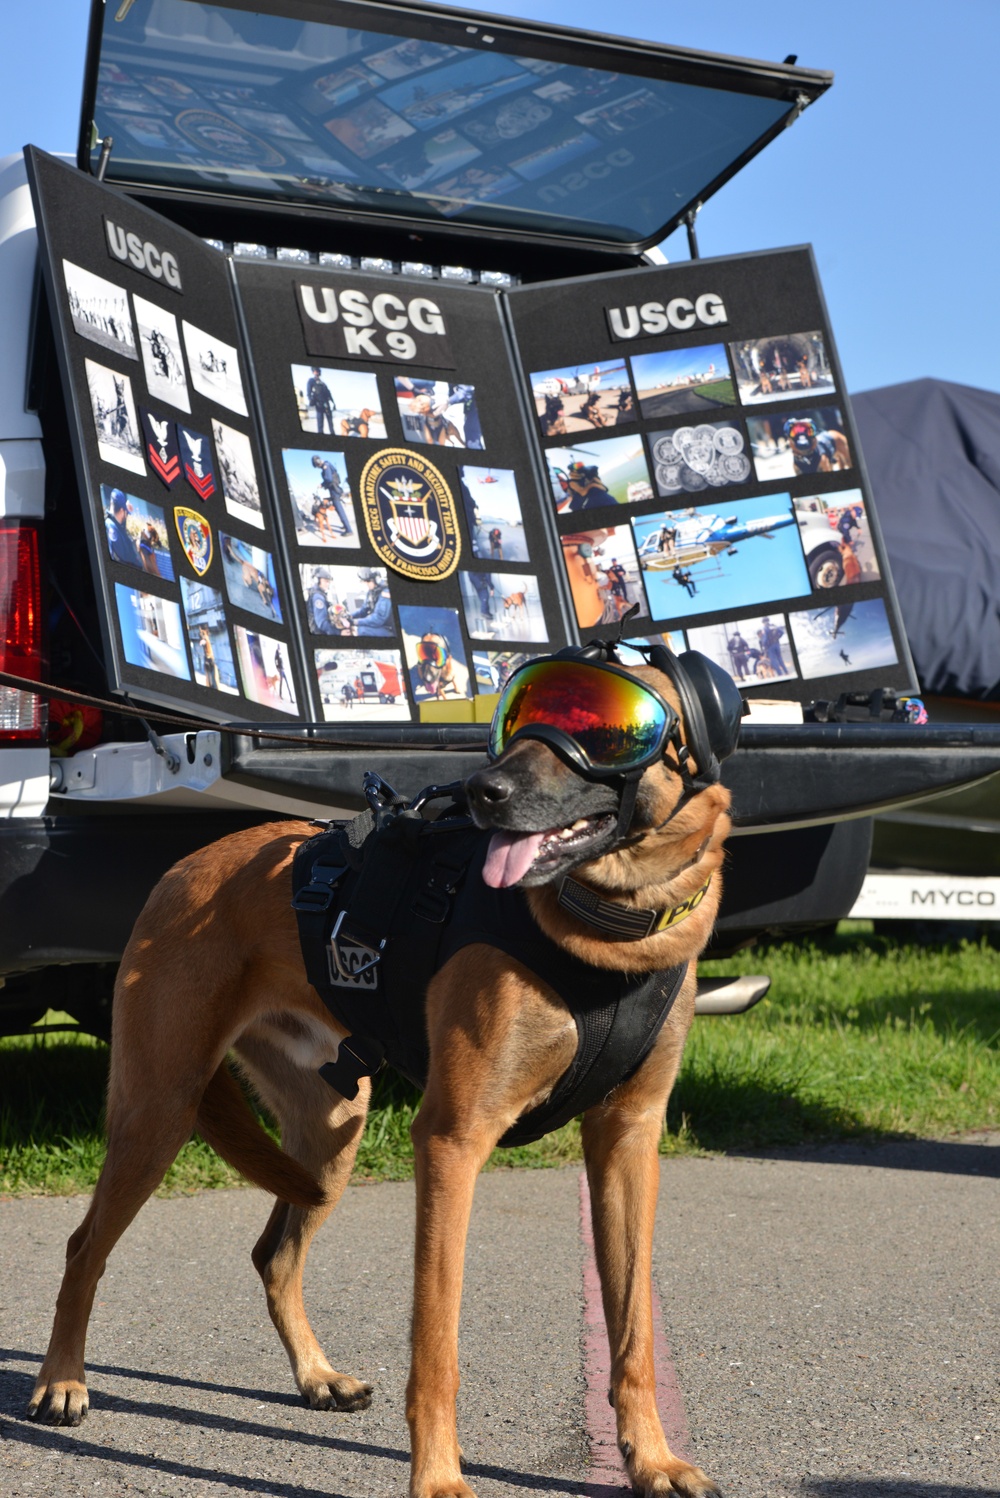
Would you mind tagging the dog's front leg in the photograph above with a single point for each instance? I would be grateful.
(620, 1141)
(446, 1166)
(497, 1043)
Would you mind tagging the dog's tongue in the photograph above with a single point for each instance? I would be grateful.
(509, 857)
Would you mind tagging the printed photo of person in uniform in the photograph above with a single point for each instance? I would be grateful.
(337, 402)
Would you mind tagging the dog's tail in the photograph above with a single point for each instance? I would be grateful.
(225, 1121)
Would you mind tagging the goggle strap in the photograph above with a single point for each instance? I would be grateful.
(626, 806)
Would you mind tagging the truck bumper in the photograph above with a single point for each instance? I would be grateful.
(72, 887)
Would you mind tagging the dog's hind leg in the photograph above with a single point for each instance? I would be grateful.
(143, 1141)
(321, 1131)
(620, 1142)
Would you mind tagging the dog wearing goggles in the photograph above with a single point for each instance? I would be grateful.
(598, 779)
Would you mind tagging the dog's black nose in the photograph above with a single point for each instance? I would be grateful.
(489, 788)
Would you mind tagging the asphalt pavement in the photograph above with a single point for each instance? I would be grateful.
(831, 1320)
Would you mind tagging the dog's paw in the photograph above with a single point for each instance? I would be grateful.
(674, 1478)
(61, 1402)
(338, 1391)
(448, 1488)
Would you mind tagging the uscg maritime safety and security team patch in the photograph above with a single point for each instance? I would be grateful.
(410, 515)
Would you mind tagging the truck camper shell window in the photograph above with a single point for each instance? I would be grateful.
(417, 113)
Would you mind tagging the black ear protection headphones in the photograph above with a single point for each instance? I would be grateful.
(711, 709)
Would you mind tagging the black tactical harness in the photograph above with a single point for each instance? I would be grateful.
(385, 900)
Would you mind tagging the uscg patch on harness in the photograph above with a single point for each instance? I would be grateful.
(350, 963)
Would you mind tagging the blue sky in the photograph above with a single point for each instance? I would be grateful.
(891, 176)
(651, 370)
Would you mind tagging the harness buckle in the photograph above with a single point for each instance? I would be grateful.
(317, 896)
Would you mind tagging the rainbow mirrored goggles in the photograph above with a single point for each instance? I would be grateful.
(431, 651)
(604, 720)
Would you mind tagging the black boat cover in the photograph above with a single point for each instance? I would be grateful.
(932, 450)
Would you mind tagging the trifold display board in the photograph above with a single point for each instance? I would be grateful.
(342, 497)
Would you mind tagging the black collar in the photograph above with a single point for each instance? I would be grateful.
(624, 921)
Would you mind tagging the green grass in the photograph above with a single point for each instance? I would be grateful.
(860, 1038)
(718, 390)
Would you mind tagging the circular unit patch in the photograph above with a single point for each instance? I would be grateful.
(196, 538)
(410, 515)
(223, 140)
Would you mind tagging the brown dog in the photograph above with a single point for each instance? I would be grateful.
(499, 1041)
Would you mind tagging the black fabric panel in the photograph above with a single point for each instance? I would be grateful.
(933, 455)
(479, 353)
(72, 210)
(567, 324)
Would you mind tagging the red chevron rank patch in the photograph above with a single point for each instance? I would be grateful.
(161, 446)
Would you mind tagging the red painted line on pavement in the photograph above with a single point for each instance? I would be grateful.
(607, 1472)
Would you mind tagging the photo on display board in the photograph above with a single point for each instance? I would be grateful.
(493, 514)
(843, 637)
(474, 184)
(136, 533)
(555, 155)
(701, 561)
(99, 310)
(604, 575)
(239, 476)
(152, 632)
(507, 120)
(119, 96)
(771, 369)
(580, 397)
(164, 86)
(427, 102)
(804, 443)
(502, 606)
(410, 56)
(249, 574)
(341, 87)
(678, 382)
(634, 110)
(755, 650)
(436, 412)
(208, 638)
(688, 459)
(435, 654)
(347, 601)
(337, 402)
(494, 668)
(268, 121)
(427, 158)
(836, 539)
(151, 134)
(611, 471)
(320, 492)
(161, 354)
(355, 687)
(368, 128)
(110, 72)
(263, 663)
(115, 420)
(215, 368)
(630, 655)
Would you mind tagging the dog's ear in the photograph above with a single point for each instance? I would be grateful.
(711, 706)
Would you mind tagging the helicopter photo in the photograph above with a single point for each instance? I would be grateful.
(690, 537)
(694, 562)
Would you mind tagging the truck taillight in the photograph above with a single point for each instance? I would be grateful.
(21, 713)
